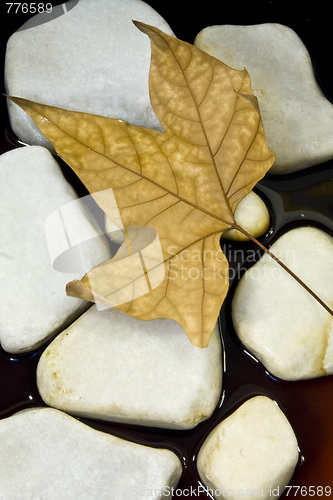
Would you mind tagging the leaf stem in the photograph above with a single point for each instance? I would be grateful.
(286, 268)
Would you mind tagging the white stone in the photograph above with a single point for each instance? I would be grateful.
(48, 454)
(280, 322)
(34, 304)
(249, 454)
(92, 59)
(110, 366)
(252, 215)
(297, 118)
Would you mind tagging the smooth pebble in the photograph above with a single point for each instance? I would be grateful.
(110, 366)
(91, 59)
(41, 225)
(252, 453)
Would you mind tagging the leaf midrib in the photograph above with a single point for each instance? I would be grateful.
(200, 121)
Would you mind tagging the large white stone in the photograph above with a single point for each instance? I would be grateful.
(92, 59)
(250, 454)
(113, 231)
(279, 321)
(46, 454)
(110, 366)
(34, 304)
(297, 118)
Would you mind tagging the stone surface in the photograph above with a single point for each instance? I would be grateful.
(252, 453)
(113, 231)
(252, 215)
(104, 72)
(297, 118)
(34, 305)
(110, 366)
(280, 322)
(48, 454)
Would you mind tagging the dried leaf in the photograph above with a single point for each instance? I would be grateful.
(185, 183)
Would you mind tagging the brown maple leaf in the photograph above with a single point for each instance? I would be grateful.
(185, 183)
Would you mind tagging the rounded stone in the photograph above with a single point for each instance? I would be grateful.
(287, 329)
(108, 365)
(252, 215)
(105, 72)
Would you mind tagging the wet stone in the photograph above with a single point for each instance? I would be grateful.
(105, 72)
(277, 319)
(297, 118)
(41, 221)
(252, 215)
(110, 366)
(252, 453)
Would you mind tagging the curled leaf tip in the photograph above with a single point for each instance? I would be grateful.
(140, 25)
